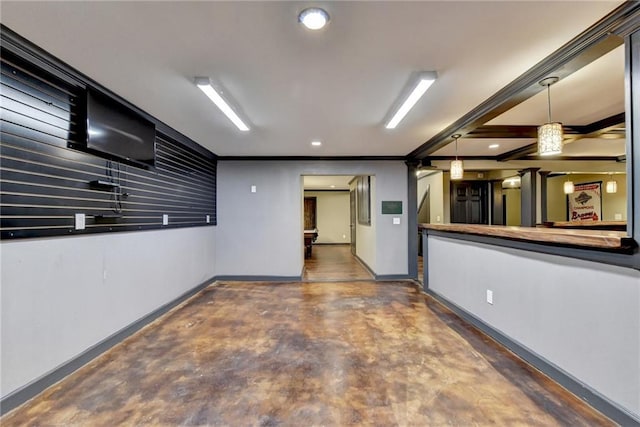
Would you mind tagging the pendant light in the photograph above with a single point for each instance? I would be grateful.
(457, 168)
(549, 134)
(569, 188)
(612, 185)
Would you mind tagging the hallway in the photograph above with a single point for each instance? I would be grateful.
(333, 262)
(303, 354)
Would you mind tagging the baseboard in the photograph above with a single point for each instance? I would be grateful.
(332, 244)
(241, 278)
(383, 277)
(23, 394)
(365, 265)
(566, 380)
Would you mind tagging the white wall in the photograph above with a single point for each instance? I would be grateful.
(60, 296)
(581, 316)
(260, 234)
(332, 216)
(434, 181)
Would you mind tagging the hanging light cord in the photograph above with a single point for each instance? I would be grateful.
(549, 100)
(457, 148)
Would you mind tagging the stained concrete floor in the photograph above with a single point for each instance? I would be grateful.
(307, 354)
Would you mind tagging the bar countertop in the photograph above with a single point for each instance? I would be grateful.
(596, 239)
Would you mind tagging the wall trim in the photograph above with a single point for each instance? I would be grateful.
(566, 380)
(259, 278)
(27, 392)
(385, 277)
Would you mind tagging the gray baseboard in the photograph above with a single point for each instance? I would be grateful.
(241, 278)
(575, 386)
(383, 277)
(23, 394)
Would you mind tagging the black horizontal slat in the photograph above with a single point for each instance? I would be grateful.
(190, 158)
(39, 121)
(47, 176)
(58, 137)
(10, 93)
(44, 163)
(36, 81)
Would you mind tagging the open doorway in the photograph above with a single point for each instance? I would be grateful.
(330, 228)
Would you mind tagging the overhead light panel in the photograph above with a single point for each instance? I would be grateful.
(423, 81)
(313, 18)
(204, 83)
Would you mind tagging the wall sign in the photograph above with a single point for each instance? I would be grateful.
(585, 203)
(391, 207)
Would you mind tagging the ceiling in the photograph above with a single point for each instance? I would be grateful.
(337, 84)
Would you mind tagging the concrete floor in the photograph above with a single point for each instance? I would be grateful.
(306, 354)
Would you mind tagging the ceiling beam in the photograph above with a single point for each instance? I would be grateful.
(591, 44)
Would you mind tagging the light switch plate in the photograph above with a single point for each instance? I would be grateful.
(396, 220)
(208, 219)
(490, 296)
(254, 189)
(165, 219)
(80, 221)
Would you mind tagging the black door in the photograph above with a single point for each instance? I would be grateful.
(469, 202)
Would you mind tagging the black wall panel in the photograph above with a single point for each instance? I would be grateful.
(44, 182)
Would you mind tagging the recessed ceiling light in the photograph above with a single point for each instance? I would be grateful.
(494, 146)
(422, 82)
(313, 18)
(316, 143)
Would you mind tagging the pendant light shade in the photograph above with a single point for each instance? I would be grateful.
(457, 168)
(612, 186)
(569, 188)
(549, 134)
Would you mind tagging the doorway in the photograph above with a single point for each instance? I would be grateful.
(330, 207)
(469, 202)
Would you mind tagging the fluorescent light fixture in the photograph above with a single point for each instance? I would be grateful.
(204, 83)
(314, 18)
(316, 143)
(423, 81)
(492, 146)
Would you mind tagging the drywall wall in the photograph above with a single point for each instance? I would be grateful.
(332, 216)
(260, 234)
(61, 296)
(581, 316)
(612, 203)
(433, 181)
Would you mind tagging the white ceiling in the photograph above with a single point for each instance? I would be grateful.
(294, 85)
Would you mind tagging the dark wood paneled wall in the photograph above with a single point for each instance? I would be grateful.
(44, 182)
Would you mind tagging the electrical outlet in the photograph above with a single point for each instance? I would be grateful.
(165, 219)
(437, 218)
(254, 189)
(617, 217)
(344, 237)
(80, 223)
(490, 296)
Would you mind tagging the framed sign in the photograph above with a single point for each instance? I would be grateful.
(391, 207)
(585, 203)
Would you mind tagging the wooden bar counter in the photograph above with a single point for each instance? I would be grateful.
(594, 239)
